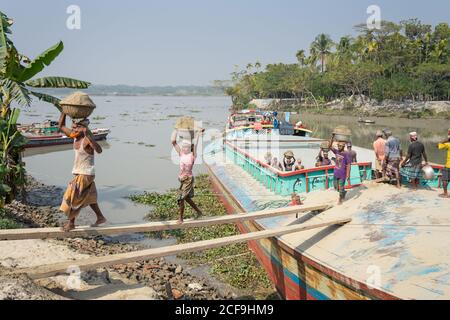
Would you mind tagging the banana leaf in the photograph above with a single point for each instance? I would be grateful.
(3, 47)
(47, 98)
(19, 93)
(57, 82)
(38, 64)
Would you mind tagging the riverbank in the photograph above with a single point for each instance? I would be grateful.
(235, 264)
(153, 279)
(362, 106)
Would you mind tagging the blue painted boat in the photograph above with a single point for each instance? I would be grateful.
(395, 247)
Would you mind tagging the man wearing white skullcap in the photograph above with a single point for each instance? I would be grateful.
(412, 164)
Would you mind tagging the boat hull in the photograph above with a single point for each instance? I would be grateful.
(44, 141)
(295, 276)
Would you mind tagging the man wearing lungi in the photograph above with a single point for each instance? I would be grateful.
(392, 157)
(187, 153)
(412, 164)
(81, 191)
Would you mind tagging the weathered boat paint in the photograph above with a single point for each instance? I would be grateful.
(295, 276)
(303, 181)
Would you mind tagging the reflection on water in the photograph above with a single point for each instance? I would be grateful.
(430, 131)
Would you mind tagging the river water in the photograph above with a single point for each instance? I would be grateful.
(138, 155)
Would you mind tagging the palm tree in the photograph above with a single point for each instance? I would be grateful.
(301, 57)
(344, 48)
(321, 47)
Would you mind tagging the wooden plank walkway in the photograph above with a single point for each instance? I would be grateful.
(105, 261)
(52, 233)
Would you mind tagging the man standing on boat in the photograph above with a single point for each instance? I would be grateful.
(341, 169)
(81, 191)
(445, 145)
(393, 155)
(351, 153)
(378, 148)
(412, 164)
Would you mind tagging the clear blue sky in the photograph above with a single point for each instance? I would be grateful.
(174, 42)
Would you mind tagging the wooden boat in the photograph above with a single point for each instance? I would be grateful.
(366, 121)
(47, 134)
(395, 247)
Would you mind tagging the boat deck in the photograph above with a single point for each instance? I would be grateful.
(397, 241)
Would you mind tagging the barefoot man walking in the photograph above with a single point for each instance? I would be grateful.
(81, 191)
(188, 154)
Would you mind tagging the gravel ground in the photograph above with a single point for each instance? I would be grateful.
(167, 280)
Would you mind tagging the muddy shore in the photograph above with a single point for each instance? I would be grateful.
(153, 279)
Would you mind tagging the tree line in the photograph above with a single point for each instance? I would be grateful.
(400, 61)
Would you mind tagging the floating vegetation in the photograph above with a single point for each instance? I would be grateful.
(194, 111)
(150, 145)
(98, 118)
(173, 116)
(234, 264)
(124, 114)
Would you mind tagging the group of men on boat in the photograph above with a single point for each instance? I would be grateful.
(391, 164)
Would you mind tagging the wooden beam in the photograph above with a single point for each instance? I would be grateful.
(52, 233)
(50, 270)
(276, 140)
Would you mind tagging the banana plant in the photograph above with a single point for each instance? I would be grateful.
(12, 170)
(18, 80)
(18, 72)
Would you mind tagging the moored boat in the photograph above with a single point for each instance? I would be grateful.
(47, 134)
(393, 248)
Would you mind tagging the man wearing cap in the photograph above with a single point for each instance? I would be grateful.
(445, 145)
(393, 155)
(412, 164)
(288, 161)
(351, 153)
(81, 191)
(341, 169)
(378, 148)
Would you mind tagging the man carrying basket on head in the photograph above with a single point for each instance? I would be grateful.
(81, 191)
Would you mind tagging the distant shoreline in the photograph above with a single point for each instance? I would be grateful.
(126, 90)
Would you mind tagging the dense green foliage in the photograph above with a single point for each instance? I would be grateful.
(234, 264)
(6, 221)
(17, 81)
(406, 61)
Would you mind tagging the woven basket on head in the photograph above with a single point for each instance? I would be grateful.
(185, 128)
(342, 133)
(78, 105)
(185, 123)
